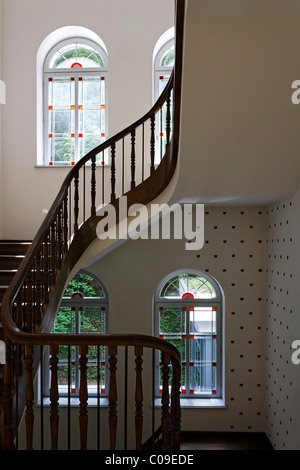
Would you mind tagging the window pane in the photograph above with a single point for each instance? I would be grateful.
(92, 319)
(168, 59)
(71, 54)
(198, 287)
(84, 284)
(202, 350)
(92, 125)
(172, 321)
(61, 120)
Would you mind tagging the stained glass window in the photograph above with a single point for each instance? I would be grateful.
(75, 102)
(83, 309)
(188, 314)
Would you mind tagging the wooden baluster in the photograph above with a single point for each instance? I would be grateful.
(165, 401)
(113, 172)
(138, 397)
(38, 313)
(59, 238)
(125, 397)
(29, 396)
(46, 277)
(7, 397)
(83, 397)
(168, 119)
(152, 144)
(65, 225)
(93, 186)
(54, 396)
(112, 351)
(53, 254)
(28, 297)
(175, 406)
(133, 159)
(76, 202)
(19, 310)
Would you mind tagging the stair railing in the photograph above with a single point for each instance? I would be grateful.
(31, 301)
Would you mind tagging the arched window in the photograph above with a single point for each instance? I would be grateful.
(188, 314)
(75, 100)
(163, 63)
(83, 309)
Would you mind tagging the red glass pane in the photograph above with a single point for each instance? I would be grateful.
(50, 136)
(187, 294)
(76, 63)
(50, 107)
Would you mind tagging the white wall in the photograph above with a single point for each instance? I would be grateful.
(240, 138)
(129, 29)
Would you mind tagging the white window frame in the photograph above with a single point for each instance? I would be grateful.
(74, 73)
(187, 303)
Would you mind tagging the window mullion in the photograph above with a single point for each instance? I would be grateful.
(76, 118)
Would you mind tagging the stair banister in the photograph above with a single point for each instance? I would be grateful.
(29, 306)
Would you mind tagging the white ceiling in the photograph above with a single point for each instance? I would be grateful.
(202, 8)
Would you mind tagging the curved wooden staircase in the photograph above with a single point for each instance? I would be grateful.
(31, 301)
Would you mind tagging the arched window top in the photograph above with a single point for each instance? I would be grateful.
(189, 286)
(168, 58)
(84, 285)
(76, 54)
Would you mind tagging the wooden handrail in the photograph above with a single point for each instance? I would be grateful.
(30, 303)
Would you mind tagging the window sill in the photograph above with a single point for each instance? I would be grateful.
(74, 401)
(68, 166)
(198, 403)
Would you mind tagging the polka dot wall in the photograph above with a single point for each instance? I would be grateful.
(283, 323)
(234, 253)
(253, 252)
